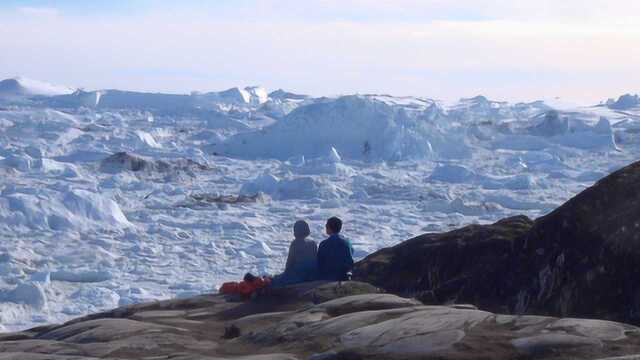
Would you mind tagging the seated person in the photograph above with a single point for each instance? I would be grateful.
(301, 261)
(335, 254)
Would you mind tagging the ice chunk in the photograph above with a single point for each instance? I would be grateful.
(452, 174)
(62, 210)
(334, 156)
(94, 207)
(19, 161)
(362, 127)
(41, 277)
(305, 187)
(552, 125)
(147, 139)
(81, 276)
(29, 293)
(265, 183)
(603, 126)
(57, 168)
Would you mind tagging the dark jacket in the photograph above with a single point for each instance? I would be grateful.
(301, 262)
(335, 258)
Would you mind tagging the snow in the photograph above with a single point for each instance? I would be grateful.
(59, 210)
(24, 87)
(110, 197)
(80, 277)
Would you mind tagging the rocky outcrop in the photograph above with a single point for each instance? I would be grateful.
(582, 259)
(467, 265)
(318, 321)
(124, 161)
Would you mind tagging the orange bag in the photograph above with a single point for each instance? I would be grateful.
(229, 288)
(245, 288)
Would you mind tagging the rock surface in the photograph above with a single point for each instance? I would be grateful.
(467, 265)
(318, 321)
(580, 260)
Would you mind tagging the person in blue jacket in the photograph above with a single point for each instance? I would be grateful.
(335, 254)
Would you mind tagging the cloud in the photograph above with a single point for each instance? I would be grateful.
(185, 50)
(38, 11)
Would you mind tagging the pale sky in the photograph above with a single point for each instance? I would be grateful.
(585, 50)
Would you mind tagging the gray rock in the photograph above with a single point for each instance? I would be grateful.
(292, 324)
(546, 342)
(366, 302)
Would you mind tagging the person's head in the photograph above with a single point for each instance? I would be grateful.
(249, 277)
(301, 229)
(334, 225)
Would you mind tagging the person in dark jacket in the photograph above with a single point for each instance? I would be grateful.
(335, 254)
(302, 259)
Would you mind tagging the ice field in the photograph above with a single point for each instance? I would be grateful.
(111, 197)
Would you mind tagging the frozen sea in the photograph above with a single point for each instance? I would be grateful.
(109, 198)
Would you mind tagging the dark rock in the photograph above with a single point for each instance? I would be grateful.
(582, 260)
(124, 161)
(467, 265)
(231, 332)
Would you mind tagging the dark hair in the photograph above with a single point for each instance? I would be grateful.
(334, 224)
(301, 229)
(249, 277)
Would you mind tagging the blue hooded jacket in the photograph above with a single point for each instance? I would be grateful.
(335, 258)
